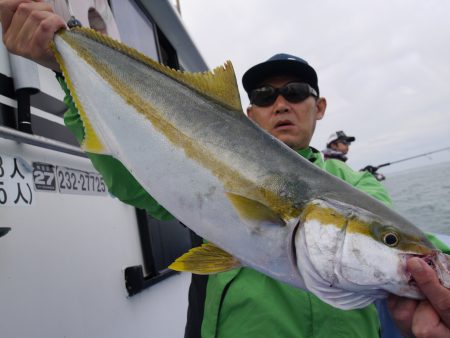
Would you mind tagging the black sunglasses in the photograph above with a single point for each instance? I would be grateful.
(293, 92)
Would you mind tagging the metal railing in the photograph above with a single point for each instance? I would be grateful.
(40, 141)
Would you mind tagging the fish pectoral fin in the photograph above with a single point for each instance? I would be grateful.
(205, 260)
(253, 211)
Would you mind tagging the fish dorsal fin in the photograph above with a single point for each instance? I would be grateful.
(254, 212)
(219, 84)
(205, 260)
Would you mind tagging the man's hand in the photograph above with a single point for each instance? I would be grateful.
(429, 318)
(370, 169)
(28, 28)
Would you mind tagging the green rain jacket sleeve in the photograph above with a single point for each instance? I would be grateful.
(117, 178)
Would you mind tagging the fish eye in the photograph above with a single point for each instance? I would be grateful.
(390, 239)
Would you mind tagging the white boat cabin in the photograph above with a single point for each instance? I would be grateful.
(75, 261)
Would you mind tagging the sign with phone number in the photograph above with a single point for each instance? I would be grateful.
(73, 181)
(17, 179)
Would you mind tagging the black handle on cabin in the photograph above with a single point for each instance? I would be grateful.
(4, 231)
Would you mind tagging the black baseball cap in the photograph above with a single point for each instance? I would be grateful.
(280, 64)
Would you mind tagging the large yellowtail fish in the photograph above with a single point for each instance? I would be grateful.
(185, 138)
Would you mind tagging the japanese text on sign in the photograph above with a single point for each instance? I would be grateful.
(16, 182)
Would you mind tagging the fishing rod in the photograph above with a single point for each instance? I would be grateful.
(412, 157)
(373, 169)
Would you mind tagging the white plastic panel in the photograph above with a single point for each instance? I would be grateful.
(62, 266)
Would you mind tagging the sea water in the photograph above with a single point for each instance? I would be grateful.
(422, 195)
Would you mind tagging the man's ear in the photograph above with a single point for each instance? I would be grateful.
(250, 112)
(321, 104)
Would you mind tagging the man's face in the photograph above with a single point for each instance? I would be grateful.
(291, 123)
(341, 146)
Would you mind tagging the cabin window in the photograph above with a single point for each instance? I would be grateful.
(162, 242)
(168, 54)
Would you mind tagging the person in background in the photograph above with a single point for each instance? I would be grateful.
(338, 145)
(285, 101)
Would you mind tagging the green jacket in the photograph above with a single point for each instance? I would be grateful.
(243, 302)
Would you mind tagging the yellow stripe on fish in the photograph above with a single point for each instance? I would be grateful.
(328, 216)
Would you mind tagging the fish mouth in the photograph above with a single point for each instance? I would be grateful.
(439, 262)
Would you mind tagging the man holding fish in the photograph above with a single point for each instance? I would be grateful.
(285, 101)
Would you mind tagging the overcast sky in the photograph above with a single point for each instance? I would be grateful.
(382, 65)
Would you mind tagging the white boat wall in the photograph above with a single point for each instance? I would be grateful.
(75, 261)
